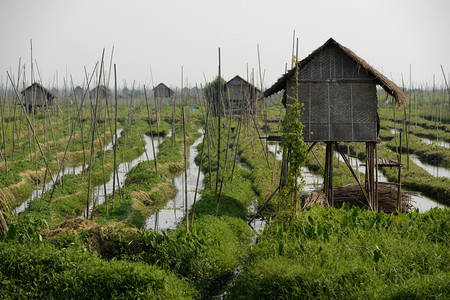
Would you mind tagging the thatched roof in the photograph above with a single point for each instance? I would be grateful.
(37, 86)
(162, 86)
(389, 86)
(241, 82)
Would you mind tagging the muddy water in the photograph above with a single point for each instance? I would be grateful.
(73, 170)
(173, 213)
(98, 194)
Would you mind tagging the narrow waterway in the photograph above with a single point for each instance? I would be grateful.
(98, 193)
(72, 170)
(433, 142)
(312, 181)
(173, 213)
(425, 140)
(433, 170)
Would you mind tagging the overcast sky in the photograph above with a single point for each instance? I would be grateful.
(164, 35)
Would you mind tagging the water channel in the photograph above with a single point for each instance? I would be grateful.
(98, 194)
(174, 211)
(438, 143)
(435, 171)
(71, 170)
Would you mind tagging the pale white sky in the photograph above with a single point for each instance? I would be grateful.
(166, 34)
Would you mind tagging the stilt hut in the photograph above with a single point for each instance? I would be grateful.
(37, 96)
(338, 91)
(103, 92)
(78, 92)
(240, 96)
(162, 91)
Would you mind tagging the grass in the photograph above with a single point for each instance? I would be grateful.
(316, 253)
(40, 271)
(349, 253)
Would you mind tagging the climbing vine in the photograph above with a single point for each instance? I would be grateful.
(295, 147)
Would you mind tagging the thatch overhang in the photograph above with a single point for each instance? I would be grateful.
(390, 87)
(37, 86)
(243, 83)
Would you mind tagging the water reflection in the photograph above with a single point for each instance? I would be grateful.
(98, 193)
(433, 170)
(71, 170)
(174, 211)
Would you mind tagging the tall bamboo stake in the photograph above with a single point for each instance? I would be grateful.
(31, 127)
(186, 207)
(2, 106)
(219, 106)
(115, 140)
(93, 126)
(151, 132)
(199, 170)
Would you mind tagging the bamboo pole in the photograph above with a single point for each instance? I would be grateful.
(2, 107)
(199, 171)
(399, 179)
(115, 140)
(446, 84)
(93, 127)
(218, 137)
(32, 128)
(236, 146)
(151, 131)
(173, 121)
(186, 207)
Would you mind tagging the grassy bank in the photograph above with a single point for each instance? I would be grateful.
(349, 253)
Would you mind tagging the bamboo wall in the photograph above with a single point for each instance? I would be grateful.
(340, 102)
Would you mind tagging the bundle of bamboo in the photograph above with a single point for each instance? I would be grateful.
(351, 193)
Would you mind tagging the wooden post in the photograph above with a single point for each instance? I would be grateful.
(186, 207)
(328, 177)
(370, 172)
(399, 191)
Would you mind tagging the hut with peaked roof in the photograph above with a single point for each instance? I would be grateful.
(37, 95)
(162, 91)
(78, 92)
(196, 90)
(338, 91)
(239, 96)
(103, 92)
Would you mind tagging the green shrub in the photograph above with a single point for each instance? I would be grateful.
(41, 271)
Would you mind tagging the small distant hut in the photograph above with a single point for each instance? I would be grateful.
(103, 92)
(125, 92)
(37, 96)
(55, 91)
(162, 91)
(78, 92)
(240, 96)
(196, 90)
(186, 90)
(338, 91)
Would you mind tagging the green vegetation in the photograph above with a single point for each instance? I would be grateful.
(315, 253)
(349, 253)
(36, 270)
